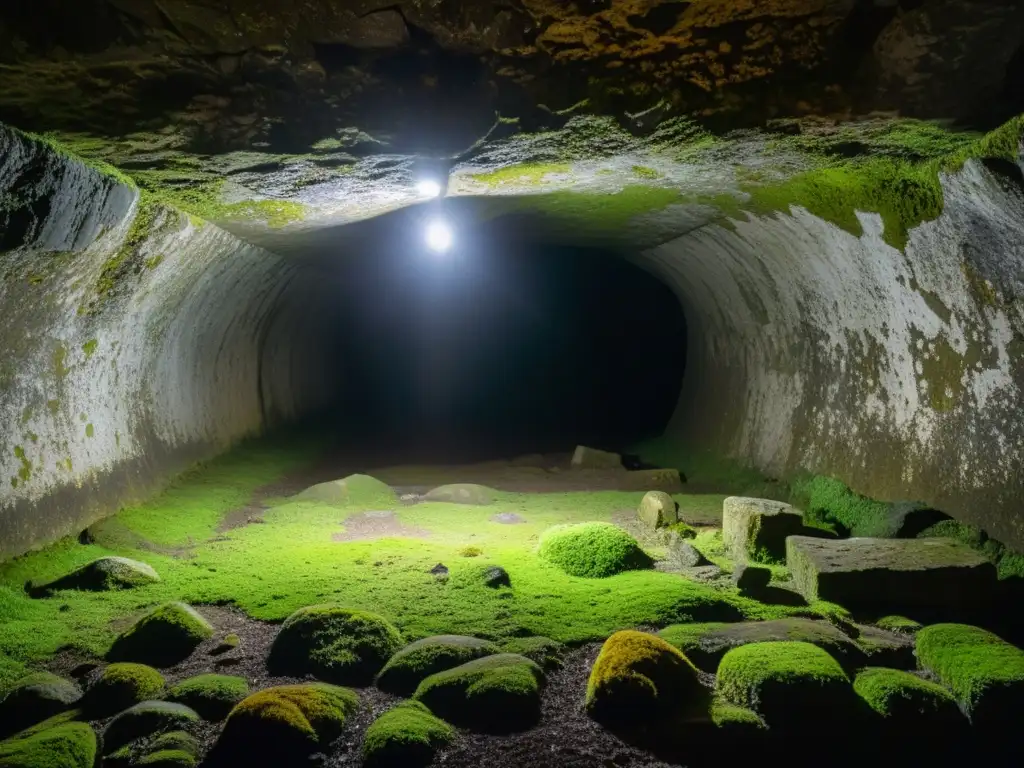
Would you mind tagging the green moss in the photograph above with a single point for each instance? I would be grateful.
(65, 745)
(354, 489)
(407, 735)
(414, 663)
(1011, 566)
(470, 552)
(60, 356)
(542, 650)
(35, 698)
(827, 500)
(683, 530)
(333, 643)
(148, 718)
(55, 144)
(707, 471)
(970, 535)
(89, 348)
(168, 758)
(90, 430)
(686, 637)
(644, 172)
(598, 212)
(731, 718)
(121, 686)
(120, 264)
(497, 693)
(592, 550)
(277, 726)
(212, 696)
(163, 637)
(902, 695)
(898, 624)
(785, 682)
(523, 174)
(181, 741)
(640, 677)
(985, 673)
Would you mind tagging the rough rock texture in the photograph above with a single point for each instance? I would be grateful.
(100, 575)
(756, 529)
(592, 458)
(657, 509)
(933, 576)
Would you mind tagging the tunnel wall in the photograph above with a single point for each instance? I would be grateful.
(135, 341)
(900, 373)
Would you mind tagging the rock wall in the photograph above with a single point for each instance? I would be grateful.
(901, 373)
(135, 340)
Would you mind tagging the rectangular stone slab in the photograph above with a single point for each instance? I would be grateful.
(917, 577)
(752, 528)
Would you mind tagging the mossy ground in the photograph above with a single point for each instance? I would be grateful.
(289, 562)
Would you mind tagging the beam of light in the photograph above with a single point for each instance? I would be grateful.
(439, 236)
(428, 188)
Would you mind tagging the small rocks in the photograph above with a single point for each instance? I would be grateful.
(35, 698)
(683, 554)
(440, 572)
(751, 579)
(101, 575)
(162, 638)
(657, 509)
(462, 493)
(417, 661)
(508, 518)
(228, 644)
(495, 576)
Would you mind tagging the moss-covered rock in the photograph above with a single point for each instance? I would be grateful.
(542, 650)
(212, 696)
(639, 679)
(908, 700)
(334, 643)
(592, 550)
(162, 638)
(657, 509)
(735, 720)
(170, 748)
(150, 718)
(423, 658)
(58, 745)
(101, 575)
(120, 686)
(706, 644)
(883, 648)
(283, 725)
(497, 693)
(985, 673)
(407, 736)
(354, 489)
(790, 684)
(168, 758)
(35, 698)
(462, 493)
(898, 624)
(756, 529)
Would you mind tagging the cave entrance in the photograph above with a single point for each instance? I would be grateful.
(514, 341)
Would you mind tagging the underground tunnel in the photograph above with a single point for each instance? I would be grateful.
(511, 383)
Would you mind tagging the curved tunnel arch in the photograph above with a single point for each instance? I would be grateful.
(809, 348)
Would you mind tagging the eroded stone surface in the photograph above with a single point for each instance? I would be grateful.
(755, 529)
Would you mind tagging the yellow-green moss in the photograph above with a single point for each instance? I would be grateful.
(902, 695)
(212, 696)
(592, 550)
(163, 637)
(408, 735)
(63, 745)
(523, 174)
(414, 663)
(122, 685)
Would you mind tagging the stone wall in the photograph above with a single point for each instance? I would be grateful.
(900, 373)
(135, 340)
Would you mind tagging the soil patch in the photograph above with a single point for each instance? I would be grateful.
(239, 518)
(508, 518)
(378, 524)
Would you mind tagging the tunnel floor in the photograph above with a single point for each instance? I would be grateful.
(263, 532)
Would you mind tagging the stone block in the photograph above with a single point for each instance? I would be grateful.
(592, 458)
(756, 529)
(923, 577)
(657, 509)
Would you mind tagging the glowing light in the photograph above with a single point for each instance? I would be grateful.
(439, 236)
(428, 188)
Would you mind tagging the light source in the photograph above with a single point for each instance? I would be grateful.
(439, 236)
(428, 188)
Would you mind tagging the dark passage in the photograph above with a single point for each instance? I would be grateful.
(506, 343)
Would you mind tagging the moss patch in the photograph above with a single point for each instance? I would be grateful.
(64, 745)
(543, 650)
(898, 624)
(904, 696)
(121, 686)
(641, 678)
(411, 665)
(525, 174)
(354, 489)
(334, 643)
(35, 698)
(212, 696)
(163, 637)
(592, 550)
(985, 673)
(407, 735)
(497, 693)
(147, 719)
(827, 500)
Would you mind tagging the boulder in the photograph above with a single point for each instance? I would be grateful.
(35, 698)
(283, 725)
(174, 749)
(883, 648)
(984, 672)
(751, 578)
(494, 694)
(909, 702)
(120, 686)
(934, 577)
(495, 576)
(410, 666)
(706, 644)
(592, 550)
(592, 458)
(900, 624)
(354, 489)
(734, 722)
(163, 637)
(101, 575)
(683, 554)
(56, 743)
(756, 529)
(212, 696)
(333, 643)
(407, 736)
(149, 718)
(657, 510)
(462, 493)
(791, 685)
(640, 679)
(542, 650)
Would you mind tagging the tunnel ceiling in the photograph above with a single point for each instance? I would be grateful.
(277, 119)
